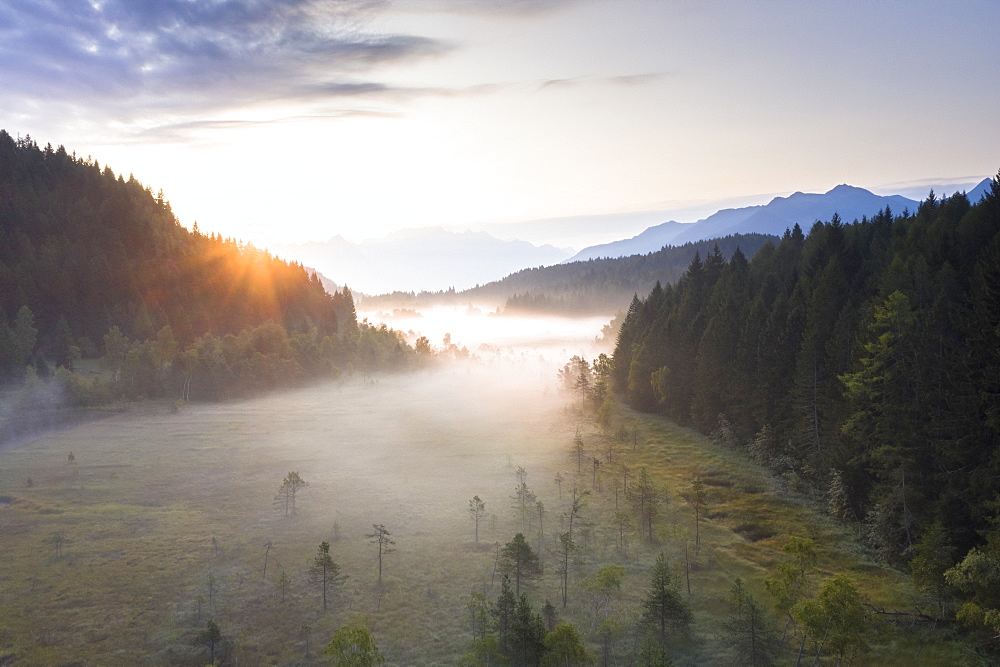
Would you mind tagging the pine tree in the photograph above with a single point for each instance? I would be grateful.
(664, 609)
(518, 558)
(326, 572)
(290, 486)
(750, 633)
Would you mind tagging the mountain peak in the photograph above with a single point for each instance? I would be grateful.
(844, 188)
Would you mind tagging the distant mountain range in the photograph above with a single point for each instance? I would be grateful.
(420, 259)
(435, 259)
(781, 213)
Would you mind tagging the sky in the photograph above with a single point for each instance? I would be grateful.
(285, 121)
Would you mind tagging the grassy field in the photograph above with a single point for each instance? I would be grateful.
(161, 520)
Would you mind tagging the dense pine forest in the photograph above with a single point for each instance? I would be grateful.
(94, 266)
(862, 360)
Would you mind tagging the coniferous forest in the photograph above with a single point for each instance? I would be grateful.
(97, 266)
(860, 359)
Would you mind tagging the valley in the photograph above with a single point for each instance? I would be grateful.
(164, 519)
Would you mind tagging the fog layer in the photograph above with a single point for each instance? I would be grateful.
(154, 505)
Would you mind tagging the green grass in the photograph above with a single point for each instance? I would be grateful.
(150, 489)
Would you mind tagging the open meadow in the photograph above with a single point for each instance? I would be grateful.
(111, 556)
(163, 520)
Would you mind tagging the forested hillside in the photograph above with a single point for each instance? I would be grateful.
(95, 266)
(862, 360)
(595, 286)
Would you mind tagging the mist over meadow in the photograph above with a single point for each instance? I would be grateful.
(166, 515)
(543, 341)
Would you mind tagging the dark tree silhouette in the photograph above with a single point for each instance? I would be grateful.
(383, 539)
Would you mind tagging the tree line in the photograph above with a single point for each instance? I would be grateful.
(94, 266)
(862, 360)
(594, 286)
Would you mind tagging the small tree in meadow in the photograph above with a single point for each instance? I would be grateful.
(477, 510)
(519, 559)
(697, 498)
(837, 620)
(211, 637)
(750, 632)
(325, 571)
(290, 486)
(663, 607)
(282, 582)
(56, 540)
(602, 586)
(566, 549)
(353, 646)
(383, 538)
(564, 647)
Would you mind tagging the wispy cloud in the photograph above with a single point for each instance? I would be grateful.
(185, 132)
(129, 59)
(496, 7)
(621, 80)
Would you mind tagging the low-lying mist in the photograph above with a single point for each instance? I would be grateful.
(549, 338)
(183, 501)
(407, 451)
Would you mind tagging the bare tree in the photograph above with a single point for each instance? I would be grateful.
(212, 585)
(578, 448)
(267, 550)
(697, 499)
(541, 513)
(566, 548)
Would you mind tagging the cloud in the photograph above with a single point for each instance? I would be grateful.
(621, 80)
(637, 79)
(495, 7)
(187, 131)
(130, 59)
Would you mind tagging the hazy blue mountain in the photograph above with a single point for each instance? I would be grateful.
(851, 203)
(420, 259)
(656, 236)
(775, 217)
(977, 192)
